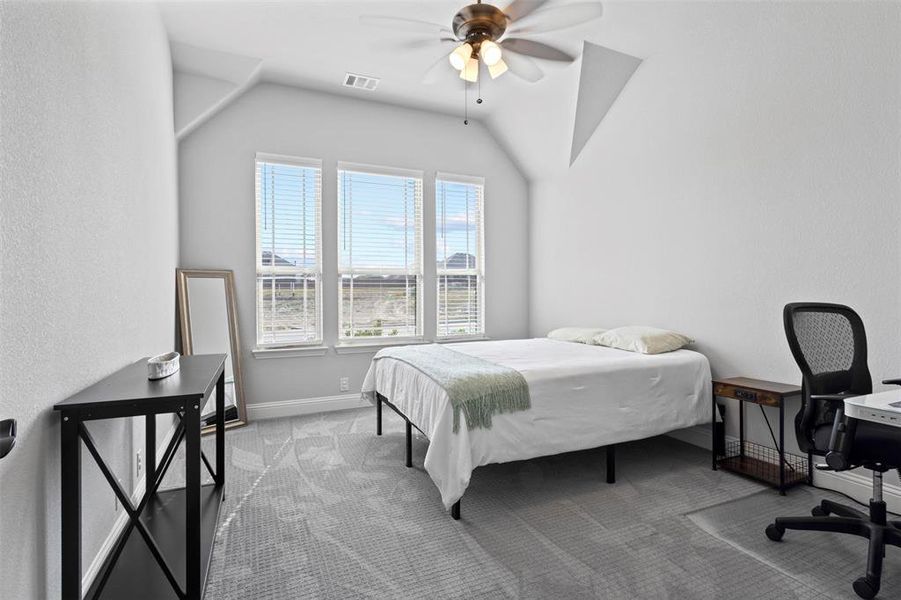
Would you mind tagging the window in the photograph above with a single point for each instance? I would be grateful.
(379, 252)
(459, 239)
(289, 263)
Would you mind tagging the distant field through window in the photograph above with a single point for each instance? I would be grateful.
(379, 253)
(289, 271)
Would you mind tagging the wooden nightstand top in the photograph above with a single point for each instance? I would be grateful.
(766, 392)
(761, 385)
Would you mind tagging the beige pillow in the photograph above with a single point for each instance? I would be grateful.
(581, 335)
(646, 340)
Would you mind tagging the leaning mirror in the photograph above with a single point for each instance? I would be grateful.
(208, 324)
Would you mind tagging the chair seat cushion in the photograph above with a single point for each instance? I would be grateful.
(872, 443)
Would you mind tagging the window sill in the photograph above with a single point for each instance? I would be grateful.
(290, 352)
(374, 346)
(462, 338)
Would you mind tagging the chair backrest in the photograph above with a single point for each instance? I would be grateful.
(829, 344)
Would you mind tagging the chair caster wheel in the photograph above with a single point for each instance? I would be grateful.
(818, 511)
(775, 532)
(865, 588)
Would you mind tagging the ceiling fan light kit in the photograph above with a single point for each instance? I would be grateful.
(479, 31)
(477, 26)
(460, 56)
(490, 53)
(471, 71)
(497, 69)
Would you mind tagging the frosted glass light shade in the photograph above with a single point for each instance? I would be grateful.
(471, 72)
(459, 57)
(490, 53)
(497, 69)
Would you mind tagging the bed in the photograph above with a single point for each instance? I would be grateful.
(582, 396)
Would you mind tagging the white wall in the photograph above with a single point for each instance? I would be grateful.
(194, 95)
(752, 160)
(89, 246)
(216, 170)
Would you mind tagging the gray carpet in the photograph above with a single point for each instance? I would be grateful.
(320, 507)
(826, 562)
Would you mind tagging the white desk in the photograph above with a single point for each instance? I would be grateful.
(883, 407)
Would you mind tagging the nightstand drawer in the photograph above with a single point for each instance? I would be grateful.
(726, 390)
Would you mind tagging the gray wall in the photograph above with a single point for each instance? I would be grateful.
(753, 163)
(216, 186)
(89, 246)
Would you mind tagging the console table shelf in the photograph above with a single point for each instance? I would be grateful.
(164, 550)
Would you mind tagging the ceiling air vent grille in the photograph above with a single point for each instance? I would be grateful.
(361, 82)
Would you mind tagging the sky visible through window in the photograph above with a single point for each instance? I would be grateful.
(377, 220)
(456, 212)
(288, 224)
(382, 208)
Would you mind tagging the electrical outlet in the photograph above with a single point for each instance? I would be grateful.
(344, 384)
(139, 465)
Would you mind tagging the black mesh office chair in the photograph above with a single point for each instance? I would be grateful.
(830, 346)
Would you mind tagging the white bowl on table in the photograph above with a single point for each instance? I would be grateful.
(162, 365)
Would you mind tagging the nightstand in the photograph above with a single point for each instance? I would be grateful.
(773, 465)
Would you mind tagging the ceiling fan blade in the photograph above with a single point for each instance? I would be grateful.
(536, 50)
(558, 17)
(523, 67)
(520, 8)
(399, 24)
(425, 43)
(439, 68)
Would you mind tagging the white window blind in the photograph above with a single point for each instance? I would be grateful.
(379, 252)
(460, 242)
(289, 257)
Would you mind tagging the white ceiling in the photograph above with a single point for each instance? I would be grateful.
(313, 44)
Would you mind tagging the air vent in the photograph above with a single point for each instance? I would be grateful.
(361, 82)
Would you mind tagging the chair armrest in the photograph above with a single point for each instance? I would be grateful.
(896, 381)
(831, 397)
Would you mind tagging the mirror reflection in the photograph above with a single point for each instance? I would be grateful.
(209, 326)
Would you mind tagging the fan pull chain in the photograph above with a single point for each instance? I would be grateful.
(465, 104)
(479, 83)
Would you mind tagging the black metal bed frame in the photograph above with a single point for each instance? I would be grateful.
(455, 509)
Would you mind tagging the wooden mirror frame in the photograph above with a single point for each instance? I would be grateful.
(184, 322)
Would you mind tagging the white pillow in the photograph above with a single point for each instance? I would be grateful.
(646, 340)
(581, 335)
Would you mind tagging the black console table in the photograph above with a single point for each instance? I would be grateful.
(170, 555)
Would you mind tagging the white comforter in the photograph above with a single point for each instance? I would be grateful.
(582, 397)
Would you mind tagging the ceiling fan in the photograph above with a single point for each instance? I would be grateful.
(484, 33)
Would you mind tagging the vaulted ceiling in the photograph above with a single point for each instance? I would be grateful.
(313, 44)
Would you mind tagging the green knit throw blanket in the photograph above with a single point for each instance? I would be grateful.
(476, 387)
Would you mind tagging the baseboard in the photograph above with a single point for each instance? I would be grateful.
(121, 521)
(857, 485)
(303, 406)
(698, 435)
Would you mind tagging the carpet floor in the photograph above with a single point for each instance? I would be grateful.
(320, 507)
(826, 562)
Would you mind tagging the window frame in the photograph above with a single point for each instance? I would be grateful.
(478, 271)
(419, 202)
(291, 161)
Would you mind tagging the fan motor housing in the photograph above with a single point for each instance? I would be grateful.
(478, 22)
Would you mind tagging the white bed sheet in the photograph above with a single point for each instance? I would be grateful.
(582, 397)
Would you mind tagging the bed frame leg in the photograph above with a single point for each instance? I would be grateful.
(455, 511)
(611, 463)
(378, 415)
(409, 444)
